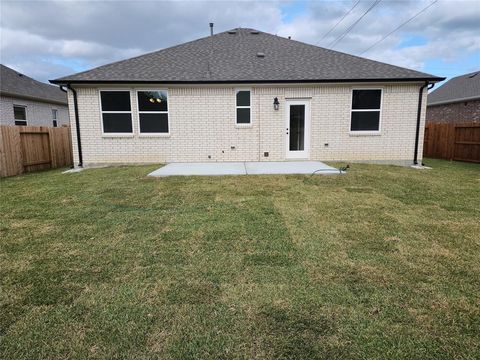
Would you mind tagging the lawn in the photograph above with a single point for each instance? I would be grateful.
(383, 262)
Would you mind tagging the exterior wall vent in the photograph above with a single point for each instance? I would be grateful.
(260, 55)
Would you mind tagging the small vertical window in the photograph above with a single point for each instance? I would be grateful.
(54, 117)
(116, 112)
(153, 112)
(20, 115)
(243, 107)
(365, 112)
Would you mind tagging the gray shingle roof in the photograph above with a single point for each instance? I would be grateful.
(16, 84)
(231, 56)
(459, 88)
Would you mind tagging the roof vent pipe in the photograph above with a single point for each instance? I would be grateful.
(211, 29)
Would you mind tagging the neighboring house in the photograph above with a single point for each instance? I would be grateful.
(456, 101)
(245, 95)
(25, 101)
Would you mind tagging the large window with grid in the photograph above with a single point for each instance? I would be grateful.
(366, 110)
(153, 112)
(116, 112)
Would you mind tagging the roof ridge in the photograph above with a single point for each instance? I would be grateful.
(287, 59)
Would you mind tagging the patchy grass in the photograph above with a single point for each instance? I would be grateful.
(381, 263)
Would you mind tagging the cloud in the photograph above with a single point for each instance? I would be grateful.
(48, 39)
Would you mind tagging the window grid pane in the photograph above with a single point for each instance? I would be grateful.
(365, 121)
(115, 100)
(117, 122)
(19, 113)
(243, 115)
(153, 123)
(243, 98)
(366, 99)
(152, 100)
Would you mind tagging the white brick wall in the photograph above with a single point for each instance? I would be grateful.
(38, 113)
(202, 124)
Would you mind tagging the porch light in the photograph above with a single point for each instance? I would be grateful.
(276, 104)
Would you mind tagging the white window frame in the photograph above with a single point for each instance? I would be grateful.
(366, 132)
(109, 134)
(55, 117)
(26, 114)
(150, 134)
(243, 125)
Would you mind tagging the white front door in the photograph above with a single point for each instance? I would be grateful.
(297, 129)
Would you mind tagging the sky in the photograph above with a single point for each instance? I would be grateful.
(50, 39)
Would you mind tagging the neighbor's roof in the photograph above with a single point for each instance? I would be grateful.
(232, 56)
(15, 84)
(460, 88)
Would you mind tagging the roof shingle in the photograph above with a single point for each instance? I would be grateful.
(231, 56)
(17, 84)
(459, 88)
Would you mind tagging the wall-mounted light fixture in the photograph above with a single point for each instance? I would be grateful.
(276, 104)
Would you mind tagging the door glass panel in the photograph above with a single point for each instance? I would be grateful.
(297, 127)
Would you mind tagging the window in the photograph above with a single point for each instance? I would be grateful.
(153, 112)
(20, 115)
(116, 112)
(54, 117)
(243, 107)
(366, 107)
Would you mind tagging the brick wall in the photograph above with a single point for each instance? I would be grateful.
(38, 113)
(467, 111)
(202, 124)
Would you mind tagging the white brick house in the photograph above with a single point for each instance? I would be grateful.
(245, 95)
(25, 101)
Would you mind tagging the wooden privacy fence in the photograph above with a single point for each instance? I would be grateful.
(32, 148)
(453, 141)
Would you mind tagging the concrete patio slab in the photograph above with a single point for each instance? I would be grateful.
(289, 167)
(202, 169)
(244, 168)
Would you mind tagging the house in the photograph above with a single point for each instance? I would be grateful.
(25, 101)
(456, 101)
(246, 95)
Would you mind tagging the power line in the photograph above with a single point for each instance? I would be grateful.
(400, 26)
(338, 39)
(339, 21)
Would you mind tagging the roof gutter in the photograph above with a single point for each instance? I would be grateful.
(299, 81)
(77, 125)
(419, 116)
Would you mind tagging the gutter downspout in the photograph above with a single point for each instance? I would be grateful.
(77, 125)
(419, 116)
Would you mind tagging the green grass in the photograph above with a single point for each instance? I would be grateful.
(107, 263)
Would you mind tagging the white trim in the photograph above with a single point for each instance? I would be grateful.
(366, 132)
(150, 134)
(109, 134)
(305, 153)
(243, 125)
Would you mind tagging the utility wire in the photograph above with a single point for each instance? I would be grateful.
(398, 27)
(339, 21)
(340, 38)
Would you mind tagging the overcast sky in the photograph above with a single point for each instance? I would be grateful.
(49, 39)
